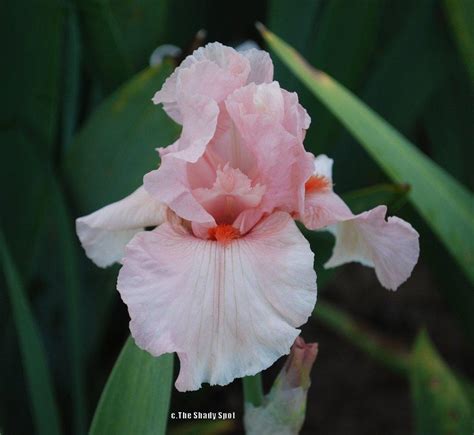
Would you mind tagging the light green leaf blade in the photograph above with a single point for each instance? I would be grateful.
(43, 403)
(441, 407)
(461, 16)
(116, 147)
(444, 203)
(137, 395)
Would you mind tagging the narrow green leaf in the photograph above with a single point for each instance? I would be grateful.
(34, 358)
(441, 407)
(137, 395)
(28, 117)
(444, 203)
(66, 244)
(461, 16)
(116, 147)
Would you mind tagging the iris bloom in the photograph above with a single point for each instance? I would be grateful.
(226, 278)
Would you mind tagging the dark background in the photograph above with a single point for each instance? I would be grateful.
(61, 59)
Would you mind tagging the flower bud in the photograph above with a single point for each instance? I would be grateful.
(284, 408)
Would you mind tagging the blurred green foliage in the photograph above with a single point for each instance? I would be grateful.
(78, 131)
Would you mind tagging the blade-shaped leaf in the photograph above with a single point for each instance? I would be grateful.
(444, 203)
(62, 239)
(33, 354)
(28, 117)
(441, 407)
(137, 395)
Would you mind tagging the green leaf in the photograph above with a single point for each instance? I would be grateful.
(116, 147)
(62, 239)
(121, 35)
(441, 407)
(137, 395)
(28, 117)
(444, 203)
(33, 354)
(461, 16)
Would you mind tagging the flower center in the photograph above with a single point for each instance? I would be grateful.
(223, 233)
(317, 183)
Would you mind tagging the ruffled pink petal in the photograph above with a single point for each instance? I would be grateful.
(212, 71)
(391, 246)
(200, 116)
(324, 208)
(296, 120)
(258, 113)
(230, 194)
(261, 66)
(104, 233)
(170, 185)
(228, 310)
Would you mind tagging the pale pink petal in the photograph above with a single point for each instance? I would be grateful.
(296, 120)
(324, 208)
(230, 194)
(170, 185)
(283, 166)
(390, 246)
(228, 310)
(105, 233)
(213, 71)
(200, 116)
(261, 66)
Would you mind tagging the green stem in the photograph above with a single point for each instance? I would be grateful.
(253, 389)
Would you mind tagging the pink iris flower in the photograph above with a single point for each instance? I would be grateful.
(226, 277)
